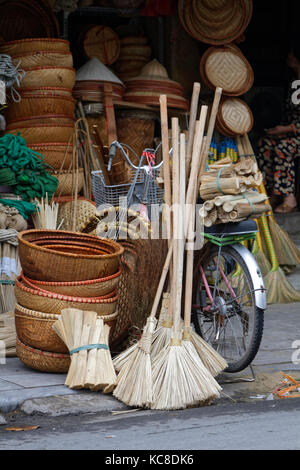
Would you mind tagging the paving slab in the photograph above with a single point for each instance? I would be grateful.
(5, 385)
(35, 379)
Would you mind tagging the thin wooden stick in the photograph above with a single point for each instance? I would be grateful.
(192, 126)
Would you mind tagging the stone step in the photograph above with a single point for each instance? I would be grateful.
(290, 223)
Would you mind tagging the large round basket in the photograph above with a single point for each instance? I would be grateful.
(22, 46)
(90, 288)
(56, 154)
(67, 181)
(35, 329)
(48, 302)
(136, 128)
(34, 134)
(43, 58)
(103, 43)
(42, 360)
(49, 76)
(40, 106)
(49, 265)
(46, 91)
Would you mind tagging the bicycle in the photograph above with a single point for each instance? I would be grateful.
(229, 294)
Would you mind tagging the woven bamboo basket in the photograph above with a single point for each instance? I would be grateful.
(22, 46)
(49, 76)
(48, 119)
(235, 116)
(40, 106)
(42, 360)
(48, 302)
(55, 154)
(90, 288)
(47, 133)
(49, 265)
(136, 128)
(35, 329)
(43, 59)
(135, 50)
(46, 91)
(83, 209)
(66, 181)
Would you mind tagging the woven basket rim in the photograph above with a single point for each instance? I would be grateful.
(42, 126)
(119, 250)
(19, 41)
(66, 298)
(51, 145)
(48, 67)
(77, 283)
(55, 316)
(30, 53)
(44, 97)
(40, 352)
(64, 172)
(44, 116)
(37, 89)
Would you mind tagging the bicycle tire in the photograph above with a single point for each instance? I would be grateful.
(258, 327)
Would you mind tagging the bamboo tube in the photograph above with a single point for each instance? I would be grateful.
(192, 127)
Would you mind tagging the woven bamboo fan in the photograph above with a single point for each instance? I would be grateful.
(23, 46)
(103, 43)
(49, 76)
(235, 117)
(43, 58)
(27, 18)
(43, 361)
(217, 22)
(227, 68)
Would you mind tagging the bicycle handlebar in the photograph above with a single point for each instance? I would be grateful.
(112, 152)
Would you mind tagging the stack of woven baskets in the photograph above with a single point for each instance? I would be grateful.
(45, 115)
(134, 54)
(62, 270)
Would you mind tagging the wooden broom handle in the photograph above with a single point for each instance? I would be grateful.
(166, 159)
(192, 126)
(162, 280)
(110, 114)
(211, 127)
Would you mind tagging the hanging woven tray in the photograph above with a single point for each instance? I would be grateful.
(43, 59)
(226, 68)
(42, 360)
(24, 46)
(48, 265)
(235, 116)
(39, 106)
(49, 76)
(103, 43)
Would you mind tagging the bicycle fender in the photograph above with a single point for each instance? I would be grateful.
(257, 278)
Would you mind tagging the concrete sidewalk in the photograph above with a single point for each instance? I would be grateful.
(33, 391)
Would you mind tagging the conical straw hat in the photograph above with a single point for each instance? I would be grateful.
(95, 70)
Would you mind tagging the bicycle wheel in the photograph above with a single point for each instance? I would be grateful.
(226, 315)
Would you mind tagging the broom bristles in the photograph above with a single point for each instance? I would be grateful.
(282, 244)
(121, 359)
(211, 359)
(180, 381)
(279, 289)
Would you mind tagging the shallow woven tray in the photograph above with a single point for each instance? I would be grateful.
(236, 116)
(227, 68)
(42, 360)
(49, 76)
(48, 302)
(34, 134)
(55, 154)
(215, 23)
(47, 265)
(40, 106)
(102, 42)
(43, 59)
(34, 45)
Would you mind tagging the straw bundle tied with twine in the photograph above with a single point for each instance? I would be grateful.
(177, 377)
(279, 289)
(86, 337)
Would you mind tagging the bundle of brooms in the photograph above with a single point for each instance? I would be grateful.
(86, 337)
(177, 377)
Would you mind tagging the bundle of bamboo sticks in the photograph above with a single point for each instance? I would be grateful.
(233, 208)
(224, 177)
(86, 337)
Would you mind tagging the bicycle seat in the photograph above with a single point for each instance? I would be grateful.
(233, 228)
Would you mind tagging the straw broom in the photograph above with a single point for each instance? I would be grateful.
(286, 251)
(134, 382)
(179, 379)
